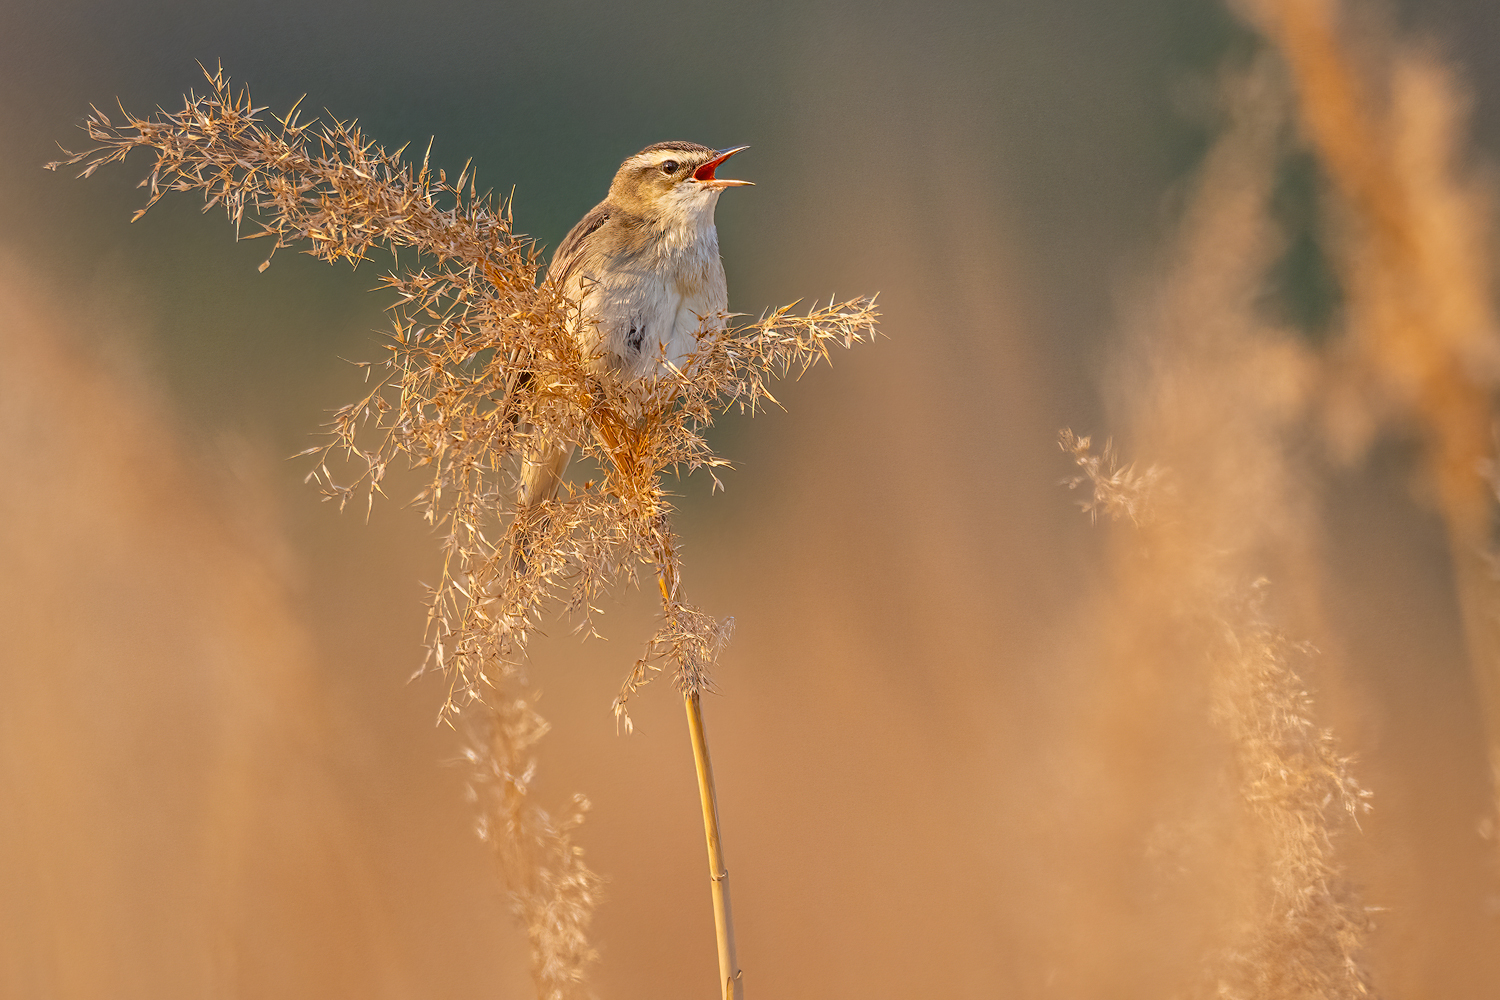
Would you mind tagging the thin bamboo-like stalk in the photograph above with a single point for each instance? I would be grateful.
(718, 873)
(730, 982)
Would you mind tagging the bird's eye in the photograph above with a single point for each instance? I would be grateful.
(670, 167)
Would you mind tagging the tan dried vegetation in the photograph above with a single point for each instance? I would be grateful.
(1412, 223)
(1221, 405)
(481, 362)
(1216, 395)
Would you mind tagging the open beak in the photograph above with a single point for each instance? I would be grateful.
(705, 174)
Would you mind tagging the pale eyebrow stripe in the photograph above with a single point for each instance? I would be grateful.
(655, 159)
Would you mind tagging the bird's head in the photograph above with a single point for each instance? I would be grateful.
(672, 181)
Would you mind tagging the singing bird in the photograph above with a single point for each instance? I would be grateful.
(643, 269)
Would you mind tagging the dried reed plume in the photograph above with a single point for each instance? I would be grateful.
(481, 363)
(1215, 397)
(1115, 488)
(1411, 229)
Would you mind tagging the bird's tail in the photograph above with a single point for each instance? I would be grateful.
(543, 463)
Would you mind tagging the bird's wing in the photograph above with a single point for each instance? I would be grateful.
(572, 249)
(545, 461)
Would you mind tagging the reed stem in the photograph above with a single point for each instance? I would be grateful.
(729, 972)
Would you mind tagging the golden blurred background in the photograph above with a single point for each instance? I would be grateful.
(935, 778)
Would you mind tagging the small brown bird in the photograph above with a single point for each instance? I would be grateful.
(643, 268)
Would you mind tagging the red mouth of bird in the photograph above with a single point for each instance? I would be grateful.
(705, 173)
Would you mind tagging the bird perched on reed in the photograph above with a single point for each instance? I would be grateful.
(643, 270)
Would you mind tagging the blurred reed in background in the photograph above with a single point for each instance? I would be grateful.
(1200, 669)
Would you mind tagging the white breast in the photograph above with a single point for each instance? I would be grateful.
(639, 314)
